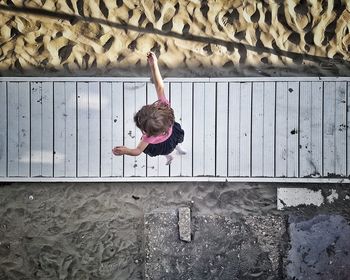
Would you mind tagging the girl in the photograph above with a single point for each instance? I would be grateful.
(160, 133)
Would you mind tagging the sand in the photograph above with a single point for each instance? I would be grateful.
(191, 38)
(97, 231)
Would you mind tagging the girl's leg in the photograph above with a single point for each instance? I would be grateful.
(169, 159)
(180, 150)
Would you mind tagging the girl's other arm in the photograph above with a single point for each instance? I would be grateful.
(122, 150)
(156, 76)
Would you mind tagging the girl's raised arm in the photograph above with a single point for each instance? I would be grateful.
(156, 76)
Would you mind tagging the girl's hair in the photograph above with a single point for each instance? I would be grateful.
(154, 119)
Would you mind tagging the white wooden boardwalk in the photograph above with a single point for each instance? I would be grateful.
(267, 129)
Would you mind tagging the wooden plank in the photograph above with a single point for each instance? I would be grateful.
(335, 128)
(3, 129)
(88, 129)
(258, 129)
(221, 129)
(245, 129)
(23, 129)
(12, 124)
(111, 128)
(329, 128)
(83, 129)
(156, 165)
(65, 129)
(134, 99)
(234, 129)
(281, 129)
(269, 129)
(181, 102)
(310, 132)
(348, 130)
(41, 129)
(36, 130)
(340, 125)
(94, 129)
(293, 130)
(204, 129)
(47, 130)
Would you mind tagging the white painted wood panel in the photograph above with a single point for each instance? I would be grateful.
(181, 102)
(269, 129)
(281, 129)
(329, 128)
(65, 103)
(258, 129)
(18, 129)
(340, 128)
(245, 129)
(12, 124)
(221, 129)
(88, 129)
(83, 129)
(240, 129)
(41, 129)
(112, 118)
(3, 129)
(293, 130)
(234, 122)
(334, 128)
(310, 149)
(134, 99)
(348, 129)
(24, 129)
(156, 165)
(204, 129)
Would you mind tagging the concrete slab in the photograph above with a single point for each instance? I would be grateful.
(185, 223)
(289, 197)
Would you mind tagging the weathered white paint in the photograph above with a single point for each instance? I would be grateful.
(292, 197)
(233, 128)
(3, 129)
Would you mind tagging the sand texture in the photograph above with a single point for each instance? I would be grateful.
(130, 231)
(96, 231)
(191, 38)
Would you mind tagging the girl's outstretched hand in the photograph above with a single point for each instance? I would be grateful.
(119, 150)
(151, 58)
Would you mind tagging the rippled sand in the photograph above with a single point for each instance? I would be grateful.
(192, 38)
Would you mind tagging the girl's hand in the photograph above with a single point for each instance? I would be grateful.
(152, 58)
(119, 150)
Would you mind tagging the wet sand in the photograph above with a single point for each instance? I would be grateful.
(96, 230)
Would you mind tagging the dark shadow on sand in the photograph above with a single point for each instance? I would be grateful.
(242, 48)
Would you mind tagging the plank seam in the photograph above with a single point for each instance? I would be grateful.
(274, 146)
(298, 151)
(76, 130)
(100, 148)
(227, 128)
(53, 130)
(30, 128)
(322, 129)
(216, 128)
(347, 128)
(147, 85)
(192, 88)
(343, 181)
(176, 79)
(123, 159)
(251, 130)
(7, 130)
